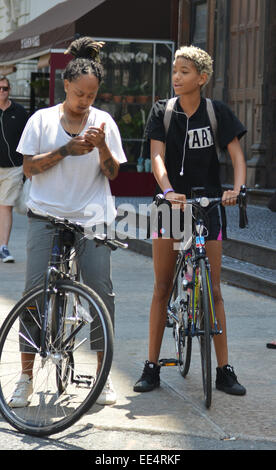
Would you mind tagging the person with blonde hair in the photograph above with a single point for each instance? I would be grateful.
(183, 158)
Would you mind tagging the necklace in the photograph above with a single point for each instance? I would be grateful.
(67, 123)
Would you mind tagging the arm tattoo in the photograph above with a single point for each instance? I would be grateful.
(63, 151)
(109, 167)
(40, 163)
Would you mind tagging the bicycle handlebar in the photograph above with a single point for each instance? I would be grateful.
(99, 239)
(204, 201)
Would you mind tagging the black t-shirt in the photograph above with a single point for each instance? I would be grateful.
(12, 123)
(191, 148)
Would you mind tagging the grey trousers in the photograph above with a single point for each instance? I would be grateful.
(94, 262)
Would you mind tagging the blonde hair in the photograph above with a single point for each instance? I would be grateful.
(200, 58)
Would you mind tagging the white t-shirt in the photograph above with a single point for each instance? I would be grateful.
(75, 188)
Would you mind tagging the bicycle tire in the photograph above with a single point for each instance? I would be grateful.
(70, 269)
(51, 412)
(64, 364)
(181, 329)
(205, 334)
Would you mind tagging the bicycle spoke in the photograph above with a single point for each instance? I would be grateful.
(66, 380)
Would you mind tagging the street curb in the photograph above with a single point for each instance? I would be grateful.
(236, 277)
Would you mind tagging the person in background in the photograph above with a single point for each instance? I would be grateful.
(13, 118)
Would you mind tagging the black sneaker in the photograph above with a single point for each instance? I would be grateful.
(227, 382)
(149, 379)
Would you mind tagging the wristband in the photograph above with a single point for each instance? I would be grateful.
(170, 190)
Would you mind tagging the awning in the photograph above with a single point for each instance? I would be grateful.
(52, 30)
(7, 69)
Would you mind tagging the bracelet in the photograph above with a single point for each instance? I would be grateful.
(170, 190)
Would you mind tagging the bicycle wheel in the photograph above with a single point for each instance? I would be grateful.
(205, 333)
(181, 328)
(60, 330)
(66, 382)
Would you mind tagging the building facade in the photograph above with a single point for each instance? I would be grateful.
(241, 37)
(13, 15)
(239, 34)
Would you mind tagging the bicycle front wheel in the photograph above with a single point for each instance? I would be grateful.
(204, 333)
(67, 377)
(181, 328)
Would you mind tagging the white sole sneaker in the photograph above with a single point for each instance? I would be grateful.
(8, 259)
(108, 394)
(22, 392)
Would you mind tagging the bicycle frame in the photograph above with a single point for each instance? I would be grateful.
(53, 273)
(191, 303)
(199, 252)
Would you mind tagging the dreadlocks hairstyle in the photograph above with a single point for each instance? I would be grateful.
(86, 59)
(202, 61)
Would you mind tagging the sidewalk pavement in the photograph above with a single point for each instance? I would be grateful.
(261, 228)
(176, 408)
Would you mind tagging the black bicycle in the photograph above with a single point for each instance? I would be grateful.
(58, 324)
(191, 311)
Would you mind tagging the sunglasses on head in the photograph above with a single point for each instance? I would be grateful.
(4, 88)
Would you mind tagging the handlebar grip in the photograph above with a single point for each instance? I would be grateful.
(111, 245)
(160, 199)
(114, 244)
(242, 201)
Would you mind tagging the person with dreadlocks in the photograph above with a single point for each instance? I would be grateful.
(71, 151)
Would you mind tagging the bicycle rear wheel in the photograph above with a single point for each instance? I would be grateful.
(205, 333)
(181, 328)
(67, 382)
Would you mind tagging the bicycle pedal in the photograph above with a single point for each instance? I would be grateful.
(83, 380)
(169, 362)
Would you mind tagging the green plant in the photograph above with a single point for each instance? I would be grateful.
(118, 90)
(146, 88)
(131, 127)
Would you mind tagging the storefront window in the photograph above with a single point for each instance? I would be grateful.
(136, 75)
(39, 91)
(199, 23)
(59, 86)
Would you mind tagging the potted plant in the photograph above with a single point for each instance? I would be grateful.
(104, 93)
(118, 93)
(131, 93)
(145, 93)
(131, 127)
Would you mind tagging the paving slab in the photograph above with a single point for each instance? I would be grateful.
(177, 407)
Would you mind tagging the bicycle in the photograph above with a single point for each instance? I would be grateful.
(191, 311)
(69, 318)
